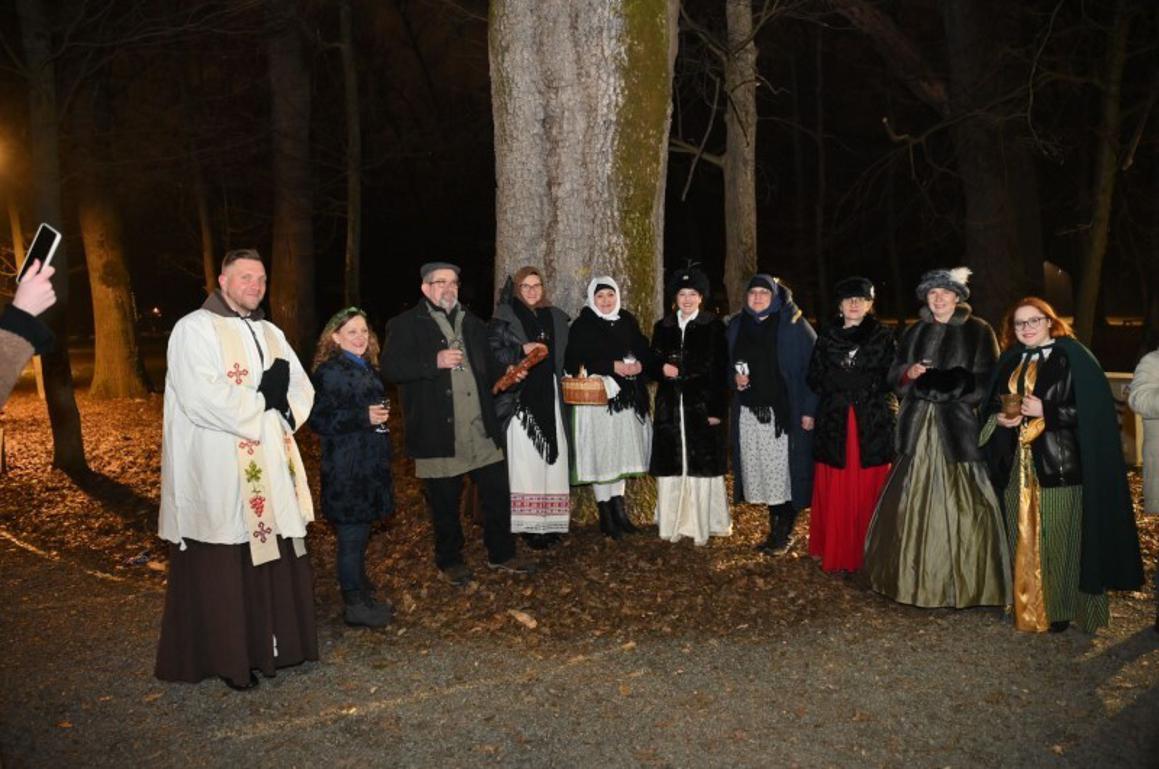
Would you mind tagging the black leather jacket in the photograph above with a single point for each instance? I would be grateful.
(1056, 451)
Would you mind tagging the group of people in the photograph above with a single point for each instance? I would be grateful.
(995, 483)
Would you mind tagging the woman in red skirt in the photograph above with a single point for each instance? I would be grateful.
(853, 441)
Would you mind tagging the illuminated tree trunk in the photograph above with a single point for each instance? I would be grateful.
(292, 260)
(740, 120)
(68, 447)
(581, 93)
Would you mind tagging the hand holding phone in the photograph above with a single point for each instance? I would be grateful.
(35, 293)
(41, 251)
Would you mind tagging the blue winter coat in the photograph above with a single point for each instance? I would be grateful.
(357, 486)
(795, 339)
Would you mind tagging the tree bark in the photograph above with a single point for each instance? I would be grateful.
(1106, 173)
(118, 371)
(740, 120)
(581, 95)
(43, 129)
(1002, 226)
(292, 258)
(353, 159)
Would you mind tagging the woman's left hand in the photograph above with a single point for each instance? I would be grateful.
(1031, 406)
(529, 346)
(713, 421)
(806, 423)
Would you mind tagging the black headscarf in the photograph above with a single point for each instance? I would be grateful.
(767, 395)
(535, 408)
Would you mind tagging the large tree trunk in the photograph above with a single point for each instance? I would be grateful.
(292, 260)
(740, 120)
(581, 93)
(1002, 228)
(118, 371)
(1106, 172)
(68, 447)
(353, 159)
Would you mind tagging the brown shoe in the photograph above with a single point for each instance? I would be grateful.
(515, 565)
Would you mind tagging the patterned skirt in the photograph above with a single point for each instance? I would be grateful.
(540, 492)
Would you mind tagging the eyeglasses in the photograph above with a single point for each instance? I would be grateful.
(1031, 323)
(531, 286)
(856, 300)
(441, 282)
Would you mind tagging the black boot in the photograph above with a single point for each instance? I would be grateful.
(766, 547)
(361, 610)
(607, 522)
(620, 516)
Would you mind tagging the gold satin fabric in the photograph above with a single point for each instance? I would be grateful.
(1029, 596)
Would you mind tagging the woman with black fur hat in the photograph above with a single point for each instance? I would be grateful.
(853, 440)
(770, 343)
(937, 536)
(688, 359)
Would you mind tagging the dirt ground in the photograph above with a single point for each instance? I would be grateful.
(643, 653)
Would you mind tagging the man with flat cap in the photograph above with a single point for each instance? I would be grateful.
(438, 354)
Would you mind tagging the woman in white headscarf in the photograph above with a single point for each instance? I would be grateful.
(611, 442)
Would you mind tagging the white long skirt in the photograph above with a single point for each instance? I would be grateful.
(609, 446)
(688, 506)
(540, 493)
(764, 461)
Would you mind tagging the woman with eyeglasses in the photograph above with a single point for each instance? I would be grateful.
(350, 415)
(937, 538)
(853, 437)
(532, 411)
(1053, 442)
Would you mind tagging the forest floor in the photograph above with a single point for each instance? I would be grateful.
(637, 653)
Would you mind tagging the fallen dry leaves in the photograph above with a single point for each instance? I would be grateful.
(589, 588)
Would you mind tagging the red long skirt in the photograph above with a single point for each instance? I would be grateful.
(843, 504)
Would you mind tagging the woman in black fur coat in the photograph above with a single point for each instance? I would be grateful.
(689, 359)
(357, 488)
(853, 438)
(937, 536)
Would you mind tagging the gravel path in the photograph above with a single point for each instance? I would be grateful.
(881, 685)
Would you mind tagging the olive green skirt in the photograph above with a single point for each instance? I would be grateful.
(937, 537)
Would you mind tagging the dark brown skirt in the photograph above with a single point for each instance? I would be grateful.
(225, 617)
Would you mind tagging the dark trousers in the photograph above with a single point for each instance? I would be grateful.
(351, 539)
(495, 499)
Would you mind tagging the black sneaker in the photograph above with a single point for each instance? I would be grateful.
(458, 574)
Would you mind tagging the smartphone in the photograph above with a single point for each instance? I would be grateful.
(43, 248)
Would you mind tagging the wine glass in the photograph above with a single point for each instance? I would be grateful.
(457, 344)
(742, 368)
(383, 428)
(628, 360)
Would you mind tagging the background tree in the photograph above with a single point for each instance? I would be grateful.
(581, 93)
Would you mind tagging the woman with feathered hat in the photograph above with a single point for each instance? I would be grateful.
(688, 359)
(937, 536)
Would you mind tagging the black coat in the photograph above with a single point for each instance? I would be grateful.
(1056, 451)
(963, 352)
(850, 367)
(507, 337)
(596, 344)
(357, 486)
(703, 360)
(410, 345)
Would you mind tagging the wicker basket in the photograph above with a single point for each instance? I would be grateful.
(584, 391)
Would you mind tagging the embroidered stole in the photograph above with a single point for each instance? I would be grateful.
(253, 468)
(1029, 596)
